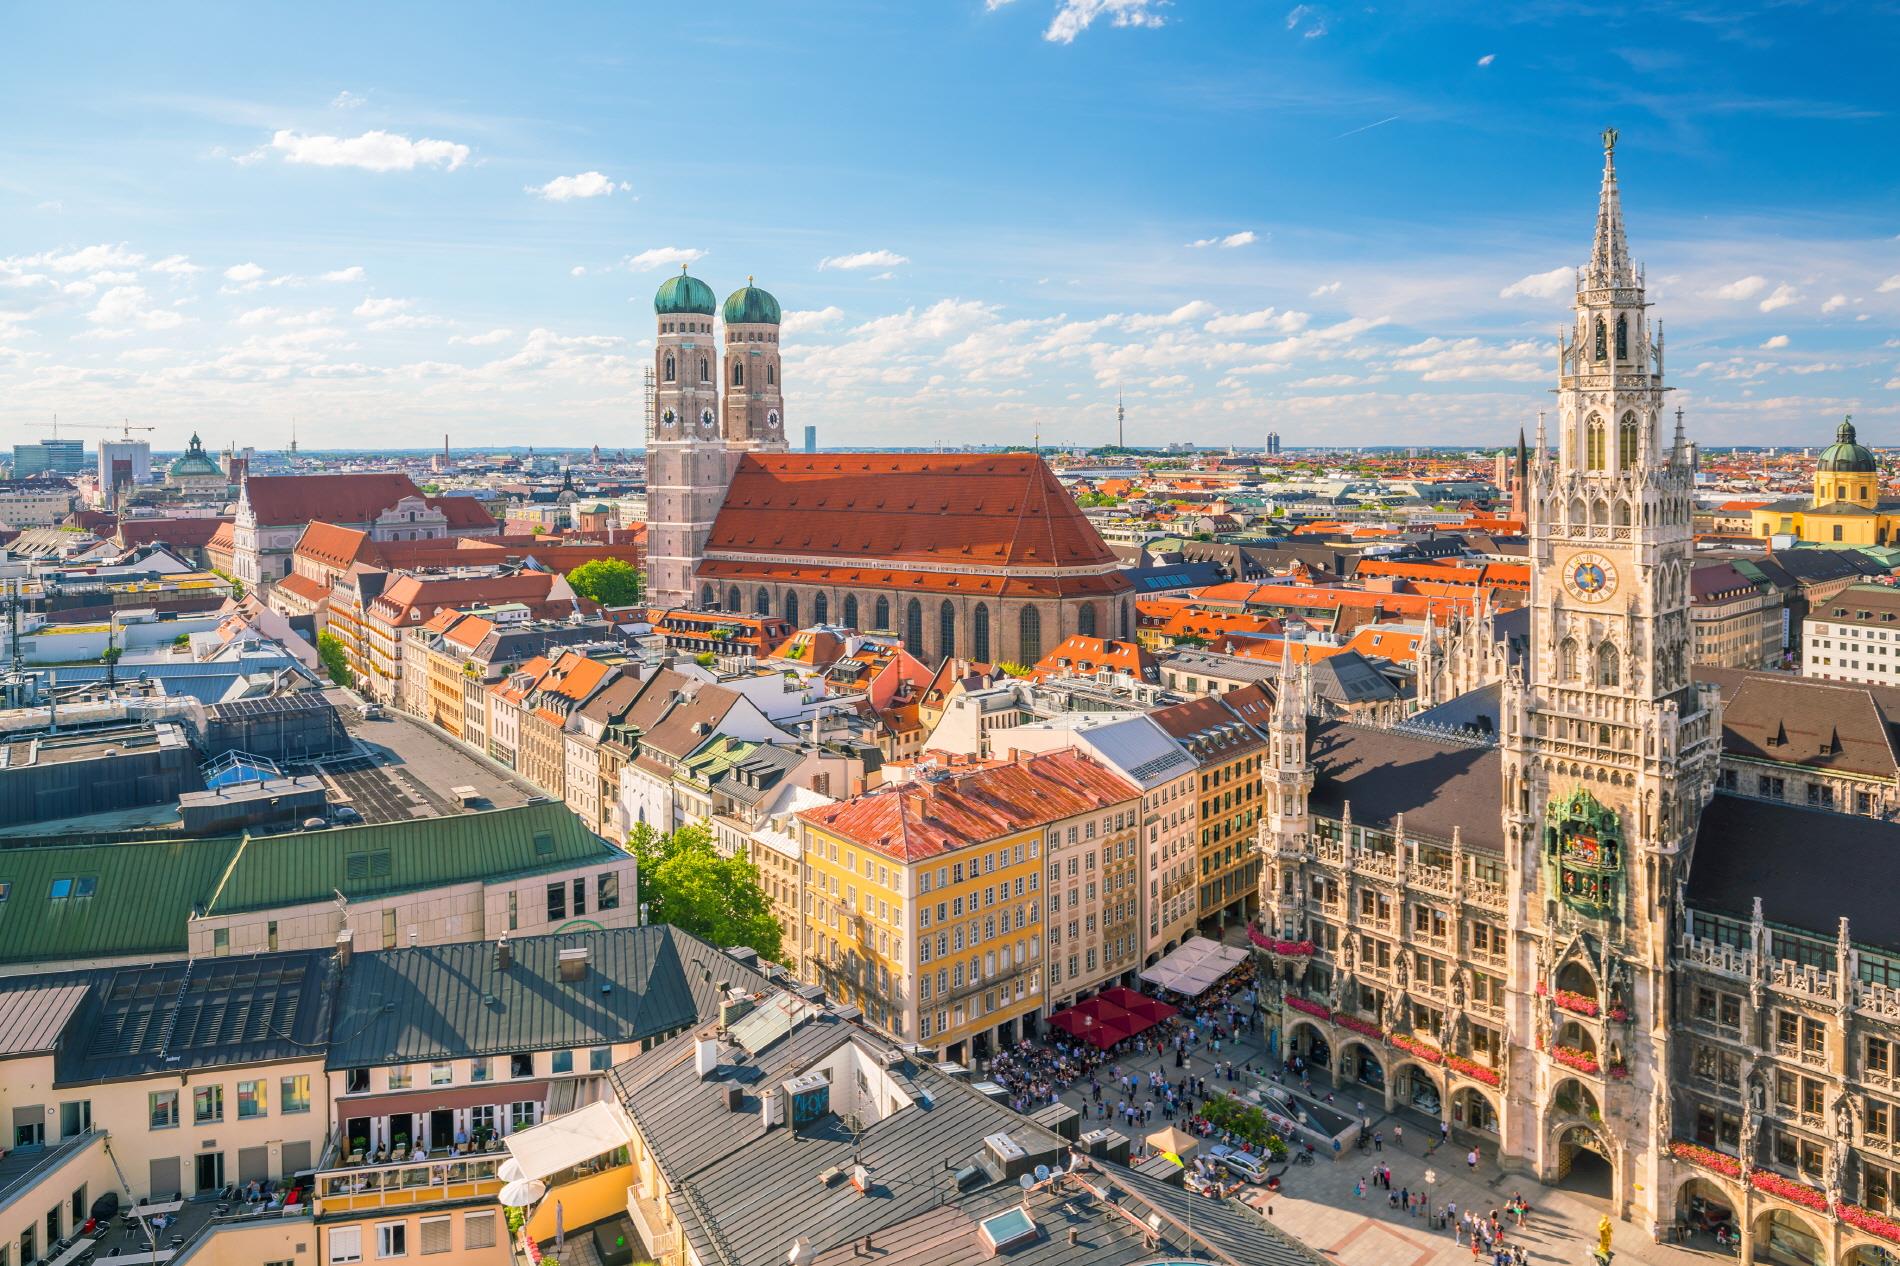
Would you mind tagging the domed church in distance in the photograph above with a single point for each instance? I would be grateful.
(1847, 508)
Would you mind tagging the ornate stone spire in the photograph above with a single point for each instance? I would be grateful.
(1610, 256)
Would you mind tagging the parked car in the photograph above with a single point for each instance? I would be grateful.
(1246, 1165)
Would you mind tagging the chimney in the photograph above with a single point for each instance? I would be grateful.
(768, 1110)
(574, 964)
(345, 943)
(705, 1058)
(504, 954)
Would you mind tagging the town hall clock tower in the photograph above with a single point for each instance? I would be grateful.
(1609, 747)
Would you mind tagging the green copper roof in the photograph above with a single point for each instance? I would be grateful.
(713, 757)
(1844, 454)
(684, 295)
(751, 306)
(138, 898)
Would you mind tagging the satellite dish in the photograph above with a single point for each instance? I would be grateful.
(1026, 1182)
(1042, 1173)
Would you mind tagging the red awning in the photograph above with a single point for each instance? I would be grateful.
(1111, 1016)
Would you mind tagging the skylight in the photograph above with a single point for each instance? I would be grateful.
(1010, 1229)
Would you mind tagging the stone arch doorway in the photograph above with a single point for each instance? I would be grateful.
(1583, 1163)
(1304, 1039)
(1472, 1109)
(1414, 1087)
(1871, 1254)
(1702, 1204)
(1786, 1238)
(1358, 1064)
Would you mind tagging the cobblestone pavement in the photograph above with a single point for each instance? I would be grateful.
(1317, 1204)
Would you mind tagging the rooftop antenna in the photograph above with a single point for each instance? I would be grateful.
(1121, 418)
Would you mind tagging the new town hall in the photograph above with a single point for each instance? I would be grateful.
(1643, 947)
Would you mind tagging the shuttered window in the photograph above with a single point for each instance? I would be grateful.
(434, 1235)
(478, 1230)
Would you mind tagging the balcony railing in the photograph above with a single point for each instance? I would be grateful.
(412, 1183)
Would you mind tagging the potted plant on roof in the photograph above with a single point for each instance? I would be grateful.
(358, 1147)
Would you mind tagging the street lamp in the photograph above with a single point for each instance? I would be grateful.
(1431, 1179)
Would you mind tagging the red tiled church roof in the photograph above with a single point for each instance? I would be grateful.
(980, 512)
(354, 498)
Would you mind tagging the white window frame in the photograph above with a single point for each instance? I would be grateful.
(346, 1244)
(382, 1235)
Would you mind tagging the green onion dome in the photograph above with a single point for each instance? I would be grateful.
(751, 306)
(1844, 455)
(683, 296)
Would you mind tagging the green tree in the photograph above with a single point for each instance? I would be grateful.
(608, 581)
(335, 662)
(687, 882)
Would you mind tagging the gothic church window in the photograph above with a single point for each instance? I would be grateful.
(732, 599)
(705, 371)
(763, 603)
(738, 373)
(669, 369)
(1593, 458)
(1608, 666)
(1602, 340)
(1567, 660)
(1626, 441)
(881, 614)
(791, 609)
(706, 598)
(1622, 338)
(1085, 620)
(820, 609)
(1029, 639)
(771, 374)
(914, 628)
(980, 633)
(946, 630)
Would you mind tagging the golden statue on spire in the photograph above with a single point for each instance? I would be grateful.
(1609, 140)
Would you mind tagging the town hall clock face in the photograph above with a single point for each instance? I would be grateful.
(1589, 578)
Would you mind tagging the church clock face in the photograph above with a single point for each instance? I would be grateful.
(771, 419)
(706, 419)
(667, 418)
(1590, 578)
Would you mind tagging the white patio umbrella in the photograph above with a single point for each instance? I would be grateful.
(510, 1170)
(520, 1194)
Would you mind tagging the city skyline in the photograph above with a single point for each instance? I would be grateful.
(385, 247)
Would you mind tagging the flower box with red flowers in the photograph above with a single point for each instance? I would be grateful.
(1307, 1005)
(1581, 1004)
(1571, 1057)
(1619, 1014)
(1412, 1046)
(1474, 1070)
(1286, 949)
(1542, 988)
(1869, 1221)
(1357, 1025)
(1788, 1189)
(1618, 1072)
(1708, 1158)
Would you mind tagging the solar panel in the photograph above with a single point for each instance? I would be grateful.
(770, 1021)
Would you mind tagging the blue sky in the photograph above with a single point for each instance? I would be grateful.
(1352, 224)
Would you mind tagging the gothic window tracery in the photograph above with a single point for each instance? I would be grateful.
(1567, 660)
(1029, 640)
(705, 370)
(1626, 441)
(771, 375)
(980, 633)
(851, 611)
(882, 612)
(791, 609)
(820, 608)
(732, 599)
(1609, 665)
(1593, 459)
(914, 628)
(1602, 348)
(1622, 338)
(669, 368)
(946, 630)
(738, 373)
(763, 605)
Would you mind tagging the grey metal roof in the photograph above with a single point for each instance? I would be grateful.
(454, 1001)
(1438, 786)
(741, 1193)
(174, 1016)
(1794, 859)
(34, 1011)
(1128, 742)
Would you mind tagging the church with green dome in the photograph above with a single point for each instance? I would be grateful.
(1846, 508)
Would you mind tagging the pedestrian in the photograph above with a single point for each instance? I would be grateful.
(1471, 1160)
(1378, 1141)
(1444, 1131)
(1398, 1136)
(1359, 1189)
(1474, 1246)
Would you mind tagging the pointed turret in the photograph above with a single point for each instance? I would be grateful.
(1610, 256)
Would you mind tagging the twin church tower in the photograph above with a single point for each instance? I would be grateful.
(705, 415)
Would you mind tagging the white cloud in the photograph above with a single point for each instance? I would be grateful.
(483, 340)
(1076, 16)
(1264, 319)
(374, 308)
(1781, 298)
(404, 321)
(345, 100)
(1487, 59)
(1453, 360)
(1775, 344)
(1540, 285)
(353, 273)
(1888, 286)
(1329, 288)
(1835, 303)
(578, 270)
(243, 272)
(1193, 310)
(372, 151)
(1246, 237)
(1305, 15)
(814, 319)
(589, 184)
(256, 316)
(176, 266)
(89, 259)
(1746, 288)
(864, 259)
(128, 308)
(663, 257)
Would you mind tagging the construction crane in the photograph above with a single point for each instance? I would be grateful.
(126, 426)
